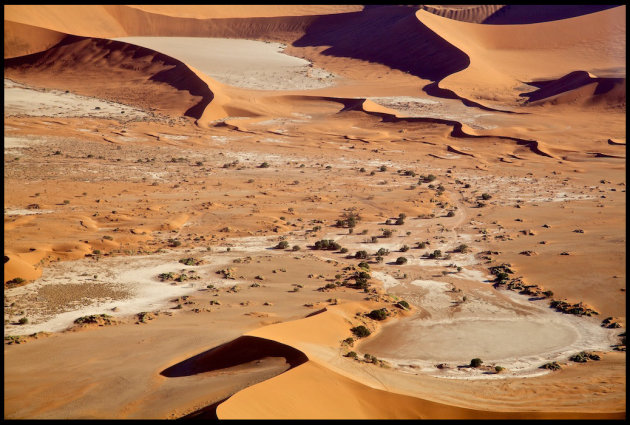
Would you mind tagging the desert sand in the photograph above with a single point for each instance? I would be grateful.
(206, 206)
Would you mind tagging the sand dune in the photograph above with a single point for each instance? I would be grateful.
(182, 191)
(509, 45)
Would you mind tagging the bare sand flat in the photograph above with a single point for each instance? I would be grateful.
(314, 212)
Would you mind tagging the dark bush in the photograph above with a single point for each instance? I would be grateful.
(476, 362)
(361, 255)
(282, 245)
(380, 314)
(401, 260)
(403, 303)
(361, 331)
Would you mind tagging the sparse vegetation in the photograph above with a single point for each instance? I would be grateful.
(476, 362)
(360, 331)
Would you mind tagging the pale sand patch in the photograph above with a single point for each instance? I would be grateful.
(241, 63)
(22, 100)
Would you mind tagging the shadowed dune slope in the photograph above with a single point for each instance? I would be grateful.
(390, 35)
(607, 90)
(94, 65)
(242, 350)
(502, 57)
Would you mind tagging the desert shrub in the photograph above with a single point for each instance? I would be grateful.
(361, 255)
(166, 276)
(23, 321)
(282, 245)
(498, 369)
(387, 233)
(404, 248)
(327, 245)
(382, 251)
(364, 265)
(403, 303)
(15, 282)
(349, 341)
(96, 251)
(330, 286)
(296, 248)
(190, 261)
(383, 168)
(380, 314)
(401, 260)
(463, 248)
(476, 362)
(360, 331)
(421, 245)
(551, 366)
(264, 165)
(486, 196)
(174, 243)
(352, 355)
(548, 294)
(451, 214)
(435, 254)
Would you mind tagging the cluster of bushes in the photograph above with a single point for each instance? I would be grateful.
(349, 219)
(610, 323)
(583, 357)
(361, 280)
(578, 309)
(360, 331)
(380, 314)
(94, 318)
(426, 179)
(433, 255)
(501, 273)
(15, 282)
(190, 261)
(551, 366)
(463, 248)
(327, 245)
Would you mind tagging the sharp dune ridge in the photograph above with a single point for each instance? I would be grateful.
(161, 223)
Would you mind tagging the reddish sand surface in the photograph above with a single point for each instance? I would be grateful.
(205, 205)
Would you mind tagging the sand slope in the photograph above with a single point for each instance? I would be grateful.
(593, 43)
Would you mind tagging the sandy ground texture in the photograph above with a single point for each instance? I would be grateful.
(166, 194)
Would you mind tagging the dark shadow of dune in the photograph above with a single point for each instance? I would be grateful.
(571, 81)
(389, 35)
(242, 350)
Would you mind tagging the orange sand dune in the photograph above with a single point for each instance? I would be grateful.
(22, 39)
(73, 60)
(345, 390)
(594, 43)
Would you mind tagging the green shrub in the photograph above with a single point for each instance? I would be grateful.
(463, 248)
(364, 265)
(403, 303)
(23, 321)
(551, 366)
(486, 196)
(476, 362)
(404, 248)
(401, 260)
(282, 245)
(360, 331)
(380, 314)
(296, 248)
(352, 355)
(451, 214)
(498, 369)
(361, 255)
(264, 165)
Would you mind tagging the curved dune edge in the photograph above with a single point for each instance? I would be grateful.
(22, 39)
(322, 388)
(529, 52)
